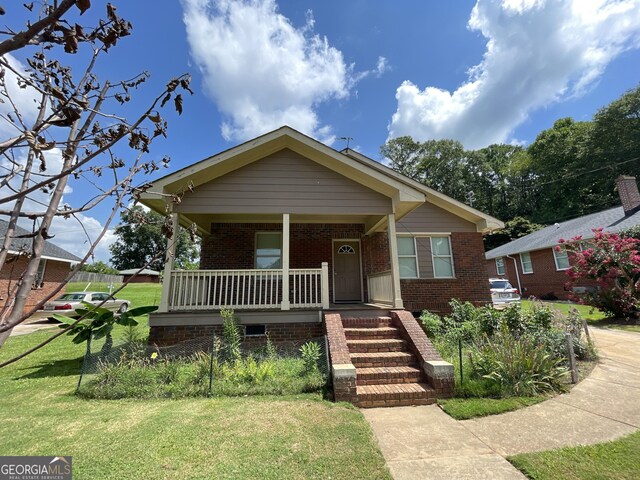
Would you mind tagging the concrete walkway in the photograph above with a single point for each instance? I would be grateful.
(425, 443)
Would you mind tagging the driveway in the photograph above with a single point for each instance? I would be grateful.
(425, 443)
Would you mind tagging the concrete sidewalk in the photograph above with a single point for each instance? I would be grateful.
(425, 443)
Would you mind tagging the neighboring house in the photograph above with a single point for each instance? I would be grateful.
(533, 265)
(293, 229)
(144, 276)
(52, 271)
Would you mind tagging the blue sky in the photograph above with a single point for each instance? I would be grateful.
(480, 72)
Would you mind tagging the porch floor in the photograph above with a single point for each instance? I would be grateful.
(358, 306)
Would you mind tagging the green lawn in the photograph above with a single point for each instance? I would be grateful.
(295, 437)
(465, 408)
(593, 316)
(617, 460)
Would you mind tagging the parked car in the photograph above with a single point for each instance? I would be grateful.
(503, 293)
(66, 304)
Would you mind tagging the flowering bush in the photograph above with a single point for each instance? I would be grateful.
(613, 262)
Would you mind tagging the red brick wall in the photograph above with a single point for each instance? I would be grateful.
(471, 282)
(545, 279)
(232, 245)
(54, 274)
(279, 333)
(375, 253)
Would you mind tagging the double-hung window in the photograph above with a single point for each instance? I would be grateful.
(407, 257)
(442, 257)
(268, 250)
(561, 258)
(525, 261)
(500, 270)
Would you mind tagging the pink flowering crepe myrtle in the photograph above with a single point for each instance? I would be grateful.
(612, 261)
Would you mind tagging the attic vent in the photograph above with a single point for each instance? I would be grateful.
(346, 249)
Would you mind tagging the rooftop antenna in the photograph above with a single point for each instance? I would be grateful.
(471, 197)
(347, 139)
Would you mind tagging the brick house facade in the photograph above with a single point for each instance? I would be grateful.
(55, 272)
(289, 206)
(53, 268)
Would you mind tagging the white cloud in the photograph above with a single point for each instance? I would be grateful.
(73, 234)
(538, 52)
(262, 71)
(76, 236)
(24, 99)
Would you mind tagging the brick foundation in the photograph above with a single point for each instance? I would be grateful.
(279, 333)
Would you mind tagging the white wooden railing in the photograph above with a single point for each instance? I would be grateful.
(380, 287)
(247, 289)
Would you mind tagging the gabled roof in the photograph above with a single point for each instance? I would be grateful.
(611, 220)
(407, 193)
(50, 251)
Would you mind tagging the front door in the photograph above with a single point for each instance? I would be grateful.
(347, 284)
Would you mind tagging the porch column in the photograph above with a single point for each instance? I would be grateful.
(285, 262)
(395, 267)
(169, 259)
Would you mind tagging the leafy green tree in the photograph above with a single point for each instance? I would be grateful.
(99, 267)
(557, 155)
(140, 239)
(514, 228)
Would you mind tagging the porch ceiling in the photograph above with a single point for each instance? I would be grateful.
(372, 223)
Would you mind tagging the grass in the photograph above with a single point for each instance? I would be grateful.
(295, 436)
(465, 408)
(593, 316)
(617, 460)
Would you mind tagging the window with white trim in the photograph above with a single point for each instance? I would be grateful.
(442, 257)
(525, 261)
(561, 258)
(500, 270)
(268, 250)
(407, 257)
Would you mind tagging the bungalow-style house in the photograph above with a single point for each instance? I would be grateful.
(52, 270)
(533, 264)
(302, 240)
(145, 275)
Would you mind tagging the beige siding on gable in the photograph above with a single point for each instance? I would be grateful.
(428, 218)
(284, 182)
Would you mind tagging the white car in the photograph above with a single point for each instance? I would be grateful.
(67, 303)
(502, 293)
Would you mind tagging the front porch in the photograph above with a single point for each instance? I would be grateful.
(350, 266)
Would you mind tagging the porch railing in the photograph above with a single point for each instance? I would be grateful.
(247, 289)
(380, 287)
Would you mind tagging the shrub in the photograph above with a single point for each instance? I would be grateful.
(143, 377)
(231, 339)
(431, 323)
(520, 366)
(613, 261)
(310, 352)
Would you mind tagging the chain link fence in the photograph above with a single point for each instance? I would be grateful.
(204, 366)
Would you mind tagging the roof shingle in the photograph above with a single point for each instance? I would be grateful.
(611, 220)
(50, 250)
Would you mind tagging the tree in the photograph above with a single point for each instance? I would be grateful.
(141, 241)
(99, 267)
(70, 102)
(514, 228)
(613, 262)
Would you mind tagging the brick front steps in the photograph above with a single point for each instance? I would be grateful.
(387, 372)
(384, 361)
